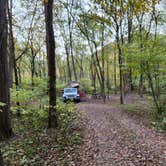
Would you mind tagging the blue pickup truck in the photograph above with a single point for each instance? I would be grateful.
(71, 94)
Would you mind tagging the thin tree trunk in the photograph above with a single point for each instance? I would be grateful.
(115, 80)
(17, 86)
(93, 76)
(32, 61)
(50, 45)
(141, 85)
(68, 63)
(16, 75)
(72, 57)
(154, 94)
(120, 67)
(103, 66)
(5, 122)
(33, 56)
(108, 77)
(33, 70)
(19, 74)
(99, 73)
(11, 42)
(141, 48)
(81, 68)
(157, 81)
(43, 66)
(121, 79)
(130, 24)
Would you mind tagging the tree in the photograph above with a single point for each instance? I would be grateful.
(5, 123)
(69, 8)
(11, 42)
(50, 45)
(1, 159)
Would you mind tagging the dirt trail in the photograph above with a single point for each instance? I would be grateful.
(113, 138)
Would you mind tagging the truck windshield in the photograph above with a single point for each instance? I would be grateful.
(70, 90)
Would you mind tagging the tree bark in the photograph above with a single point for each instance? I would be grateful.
(5, 123)
(11, 42)
(130, 25)
(120, 66)
(158, 107)
(141, 86)
(50, 45)
(115, 80)
(108, 79)
(68, 62)
(12, 61)
(103, 65)
(32, 61)
(121, 77)
(1, 159)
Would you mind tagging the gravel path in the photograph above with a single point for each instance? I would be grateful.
(112, 138)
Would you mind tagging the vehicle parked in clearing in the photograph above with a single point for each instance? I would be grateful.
(71, 94)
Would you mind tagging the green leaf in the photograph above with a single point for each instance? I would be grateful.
(2, 104)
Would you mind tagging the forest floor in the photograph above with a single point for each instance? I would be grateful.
(120, 135)
(99, 134)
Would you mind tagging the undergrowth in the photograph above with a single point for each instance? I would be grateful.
(148, 112)
(34, 144)
(158, 121)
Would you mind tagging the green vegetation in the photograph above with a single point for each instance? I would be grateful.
(33, 141)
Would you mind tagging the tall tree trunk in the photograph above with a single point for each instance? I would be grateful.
(5, 123)
(103, 66)
(50, 45)
(93, 61)
(72, 57)
(12, 61)
(130, 24)
(16, 78)
(120, 66)
(19, 74)
(33, 56)
(121, 78)
(11, 42)
(93, 76)
(68, 62)
(140, 20)
(115, 80)
(97, 65)
(33, 70)
(108, 77)
(44, 66)
(81, 68)
(1, 159)
(32, 62)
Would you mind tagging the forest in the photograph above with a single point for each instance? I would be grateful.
(115, 50)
